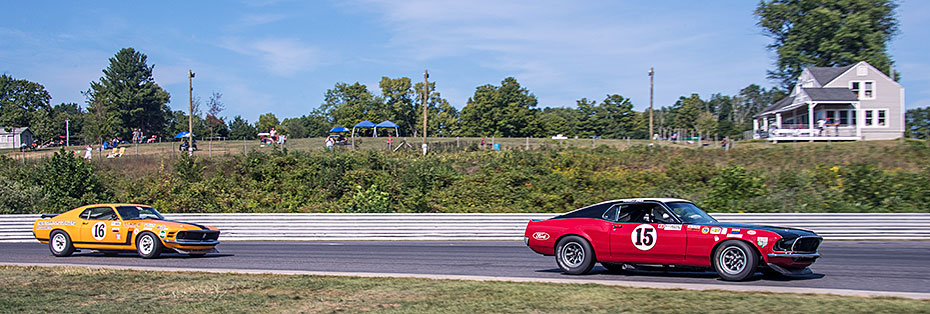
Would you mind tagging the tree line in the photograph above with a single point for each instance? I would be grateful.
(804, 33)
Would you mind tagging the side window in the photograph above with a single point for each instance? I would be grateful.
(659, 214)
(86, 214)
(634, 213)
(101, 213)
(611, 214)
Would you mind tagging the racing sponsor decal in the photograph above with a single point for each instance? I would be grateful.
(99, 231)
(718, 230)
(541, 236)
(661, 226)
(762, 241)
(44, 228)
(644, 237)
(117, 236)
(149, 225)
(55, 223)
(116, 224)
(162, 234)
(160, 227)
(705, 230)
(114, 230)
(735, 231)
(751, 232)
(132, 225)
(716, 238)
(694, 227)
(735, 236)
(672, 227)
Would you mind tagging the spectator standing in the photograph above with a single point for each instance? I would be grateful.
(390, 143)
(88, 152)
(329, 143)
(821, 124)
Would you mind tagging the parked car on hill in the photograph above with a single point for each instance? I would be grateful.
(665, 232)
(112, 228)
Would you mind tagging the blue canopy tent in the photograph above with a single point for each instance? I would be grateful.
(388, 124)
(183, 135)
(338, 129)
(363, 124)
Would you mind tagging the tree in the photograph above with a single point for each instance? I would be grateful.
(687, 110)
(213, 121)
(918, 123)
(266, 122)
(127, 97)
(443, 117)
(505, 110)
(827, 33)
(241, 129)
(20, 100)
(616, 117)
(348, 104)
(399, 105)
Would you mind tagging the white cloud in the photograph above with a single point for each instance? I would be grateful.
(280, 56)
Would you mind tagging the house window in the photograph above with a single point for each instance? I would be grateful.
(844, 117)
(863, 89)
(876, 117)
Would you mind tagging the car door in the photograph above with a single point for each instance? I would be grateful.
(97, 226)
(646, 233)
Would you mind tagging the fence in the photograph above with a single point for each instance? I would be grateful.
(309, 227)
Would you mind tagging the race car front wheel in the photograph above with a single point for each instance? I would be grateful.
(148, 245)
(60, 244)
(574, 255)
(735, 260)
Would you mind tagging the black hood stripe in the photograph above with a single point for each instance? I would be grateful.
(202, 227)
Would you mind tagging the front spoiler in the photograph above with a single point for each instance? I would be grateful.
(795, 255)
(791, 272)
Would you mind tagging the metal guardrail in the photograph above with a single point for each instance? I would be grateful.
(340, 227)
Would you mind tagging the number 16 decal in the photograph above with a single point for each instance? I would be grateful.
(99, 231)
(644, 237)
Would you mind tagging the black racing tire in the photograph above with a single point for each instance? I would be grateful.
(148, 245)
(613, 267)
(574, 255)
(735, 260)
(59, 242)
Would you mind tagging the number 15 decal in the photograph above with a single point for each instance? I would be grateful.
(644, 237)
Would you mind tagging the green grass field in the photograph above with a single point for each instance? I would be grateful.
(83, 290)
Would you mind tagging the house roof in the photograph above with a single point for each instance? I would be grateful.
(784, 102)
(831, 94)
(824, 75)
(15, 130)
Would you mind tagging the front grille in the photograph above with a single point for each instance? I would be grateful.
(807, 244)
(206, 235)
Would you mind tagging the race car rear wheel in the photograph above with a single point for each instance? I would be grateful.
(148, 245)
(735, 260)
(574, 255)
(60, 244)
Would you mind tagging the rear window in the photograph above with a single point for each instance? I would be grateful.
(593, 211)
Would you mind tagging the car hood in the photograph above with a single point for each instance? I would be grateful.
(784, 232)
(176, 224)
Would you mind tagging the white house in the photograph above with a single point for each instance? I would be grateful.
(16, 138)
(859, 101)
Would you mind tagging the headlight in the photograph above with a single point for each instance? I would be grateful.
(784, 244)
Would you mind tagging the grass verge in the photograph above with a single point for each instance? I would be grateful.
(75, 289)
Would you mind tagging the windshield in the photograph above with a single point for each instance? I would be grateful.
(138, 212)
(690, 214)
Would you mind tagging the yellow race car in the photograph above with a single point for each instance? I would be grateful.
(112, 228)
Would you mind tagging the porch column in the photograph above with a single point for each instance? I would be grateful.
(778, 120)
(859, 118)
(755, 126)
(810, 117)
(765, 123)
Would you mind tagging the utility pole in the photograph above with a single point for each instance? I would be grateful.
(425, 100)
(651, 78)
(190, 113)
(67, 133)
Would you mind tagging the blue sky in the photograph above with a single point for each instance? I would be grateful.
(282, 56)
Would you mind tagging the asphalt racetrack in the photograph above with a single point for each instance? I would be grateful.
(891, 266)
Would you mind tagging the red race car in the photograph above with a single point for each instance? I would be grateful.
(665, 232)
